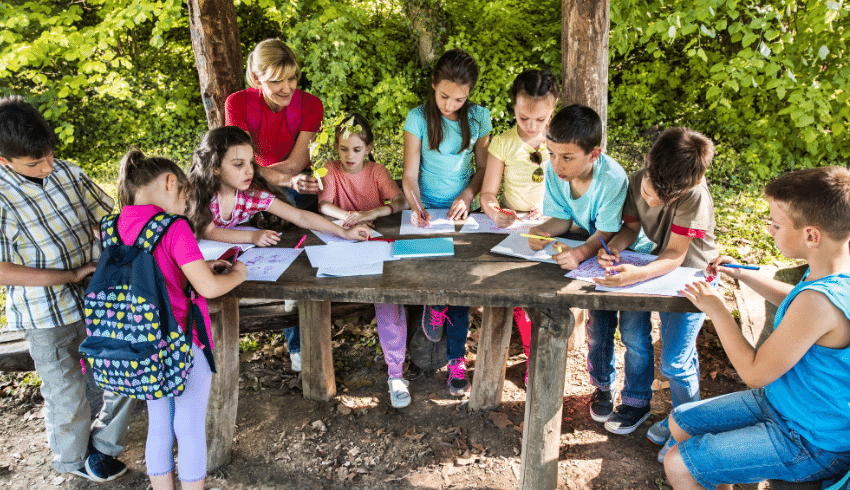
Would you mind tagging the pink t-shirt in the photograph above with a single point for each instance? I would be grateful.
(273, 138)
(177, 248)
(248, 203)
(365, 190)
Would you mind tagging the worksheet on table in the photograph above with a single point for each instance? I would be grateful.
(268, 264)
(667, 285)
(516, 245)
(590, 268)
(341, 255)
(481, 223)
(438, 223)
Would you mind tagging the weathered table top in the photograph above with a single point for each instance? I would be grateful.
(474, 276)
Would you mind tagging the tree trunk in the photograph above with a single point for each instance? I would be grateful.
(584, 53)
(218, 54)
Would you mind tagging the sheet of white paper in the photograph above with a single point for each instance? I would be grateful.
(340, 255)
(590, 268)
(361, 270)
(268, 264)
(667, 285)
(437, 224)
(212, 249)
(481, 223)
(517, 246)
(328, 238)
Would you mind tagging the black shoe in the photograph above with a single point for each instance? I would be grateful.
(102, 467)
(626, 419)
(601, 405)
(434, 322)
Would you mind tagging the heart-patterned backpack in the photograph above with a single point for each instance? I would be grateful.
(135, 347)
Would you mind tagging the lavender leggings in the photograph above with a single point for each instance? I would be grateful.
(392, 332)
(185, 417)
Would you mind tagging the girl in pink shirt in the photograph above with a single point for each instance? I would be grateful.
(147, 186)
(356, 190)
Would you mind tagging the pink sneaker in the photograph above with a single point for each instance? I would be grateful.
(434, 322)
(458, 384)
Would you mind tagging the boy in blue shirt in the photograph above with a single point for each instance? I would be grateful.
(668, 200)
(583, 187)
(793, 424)
(50, 215)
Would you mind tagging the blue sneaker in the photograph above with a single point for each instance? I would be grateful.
(434, 322)
(659, 433)
(102, 467)
(666, 448)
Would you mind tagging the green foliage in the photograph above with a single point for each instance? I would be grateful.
(249, 343)
(105, 75)
(766, 77)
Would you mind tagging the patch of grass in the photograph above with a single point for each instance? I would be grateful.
(249, 343)
(743, 216)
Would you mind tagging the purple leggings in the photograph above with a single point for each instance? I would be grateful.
(185, 417)
(392, 332)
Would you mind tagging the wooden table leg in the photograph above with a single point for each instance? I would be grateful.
(224, 388)
(494, 338)
(317, 363)
(544, 399)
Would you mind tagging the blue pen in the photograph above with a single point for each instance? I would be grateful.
(741, 266)
(608, 251)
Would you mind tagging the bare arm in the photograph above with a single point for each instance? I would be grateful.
(21, 275)
(461, 206)
(570, 258)
(211, 285)
(490, 189)
(410, 179)
(312, 221)
(261, 238)
(552, 227)
(794, 336)
(769, 288)
(673, 256)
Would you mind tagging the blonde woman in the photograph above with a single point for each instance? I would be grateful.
(281, 119)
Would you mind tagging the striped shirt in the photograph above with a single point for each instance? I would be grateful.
(49, 226)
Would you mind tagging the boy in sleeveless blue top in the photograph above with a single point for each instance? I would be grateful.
(793, 424)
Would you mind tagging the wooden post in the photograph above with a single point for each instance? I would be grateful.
(218, 54)
(224, 389)
(317, 363)
(584, 55)
(494, 338)
(544, 398)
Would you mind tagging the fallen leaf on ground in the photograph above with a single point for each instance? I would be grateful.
(500, 419)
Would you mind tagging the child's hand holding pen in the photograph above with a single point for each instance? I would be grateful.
(728, 266)
(608, 259)
(418, 216)
(358, 232)
(538, 239)
(265, 238)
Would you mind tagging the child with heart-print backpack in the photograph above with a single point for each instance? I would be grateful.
(153, 193)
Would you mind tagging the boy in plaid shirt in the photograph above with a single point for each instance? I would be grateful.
(50, 214)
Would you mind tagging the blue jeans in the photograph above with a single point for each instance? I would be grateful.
(679, 361)
(740, 438)
(301, 201)
(293, 339)
(456, 330)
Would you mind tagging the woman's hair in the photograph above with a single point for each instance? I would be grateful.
(204, 182)
(535, 84)
(457, 66)
(271, 60)
(136, 171)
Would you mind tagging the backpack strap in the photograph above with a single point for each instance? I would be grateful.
(154, 230)
(196, 320)
(109, 231)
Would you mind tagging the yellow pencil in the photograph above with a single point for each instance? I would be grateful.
(526, 235)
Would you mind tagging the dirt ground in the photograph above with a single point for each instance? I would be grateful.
(358, 441)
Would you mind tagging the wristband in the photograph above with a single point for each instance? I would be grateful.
(391, 208)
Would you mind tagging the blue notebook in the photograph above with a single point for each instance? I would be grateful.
(424, 247)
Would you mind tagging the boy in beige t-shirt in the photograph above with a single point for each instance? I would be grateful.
(670, 200)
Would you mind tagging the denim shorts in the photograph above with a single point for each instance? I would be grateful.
(740, 438)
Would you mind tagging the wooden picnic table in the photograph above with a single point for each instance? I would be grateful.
(472, 277)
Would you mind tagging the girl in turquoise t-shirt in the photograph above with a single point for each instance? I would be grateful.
(440, 138)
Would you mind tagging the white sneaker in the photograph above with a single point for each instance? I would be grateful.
(399, 395)
(289, 305)
(295, 359)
